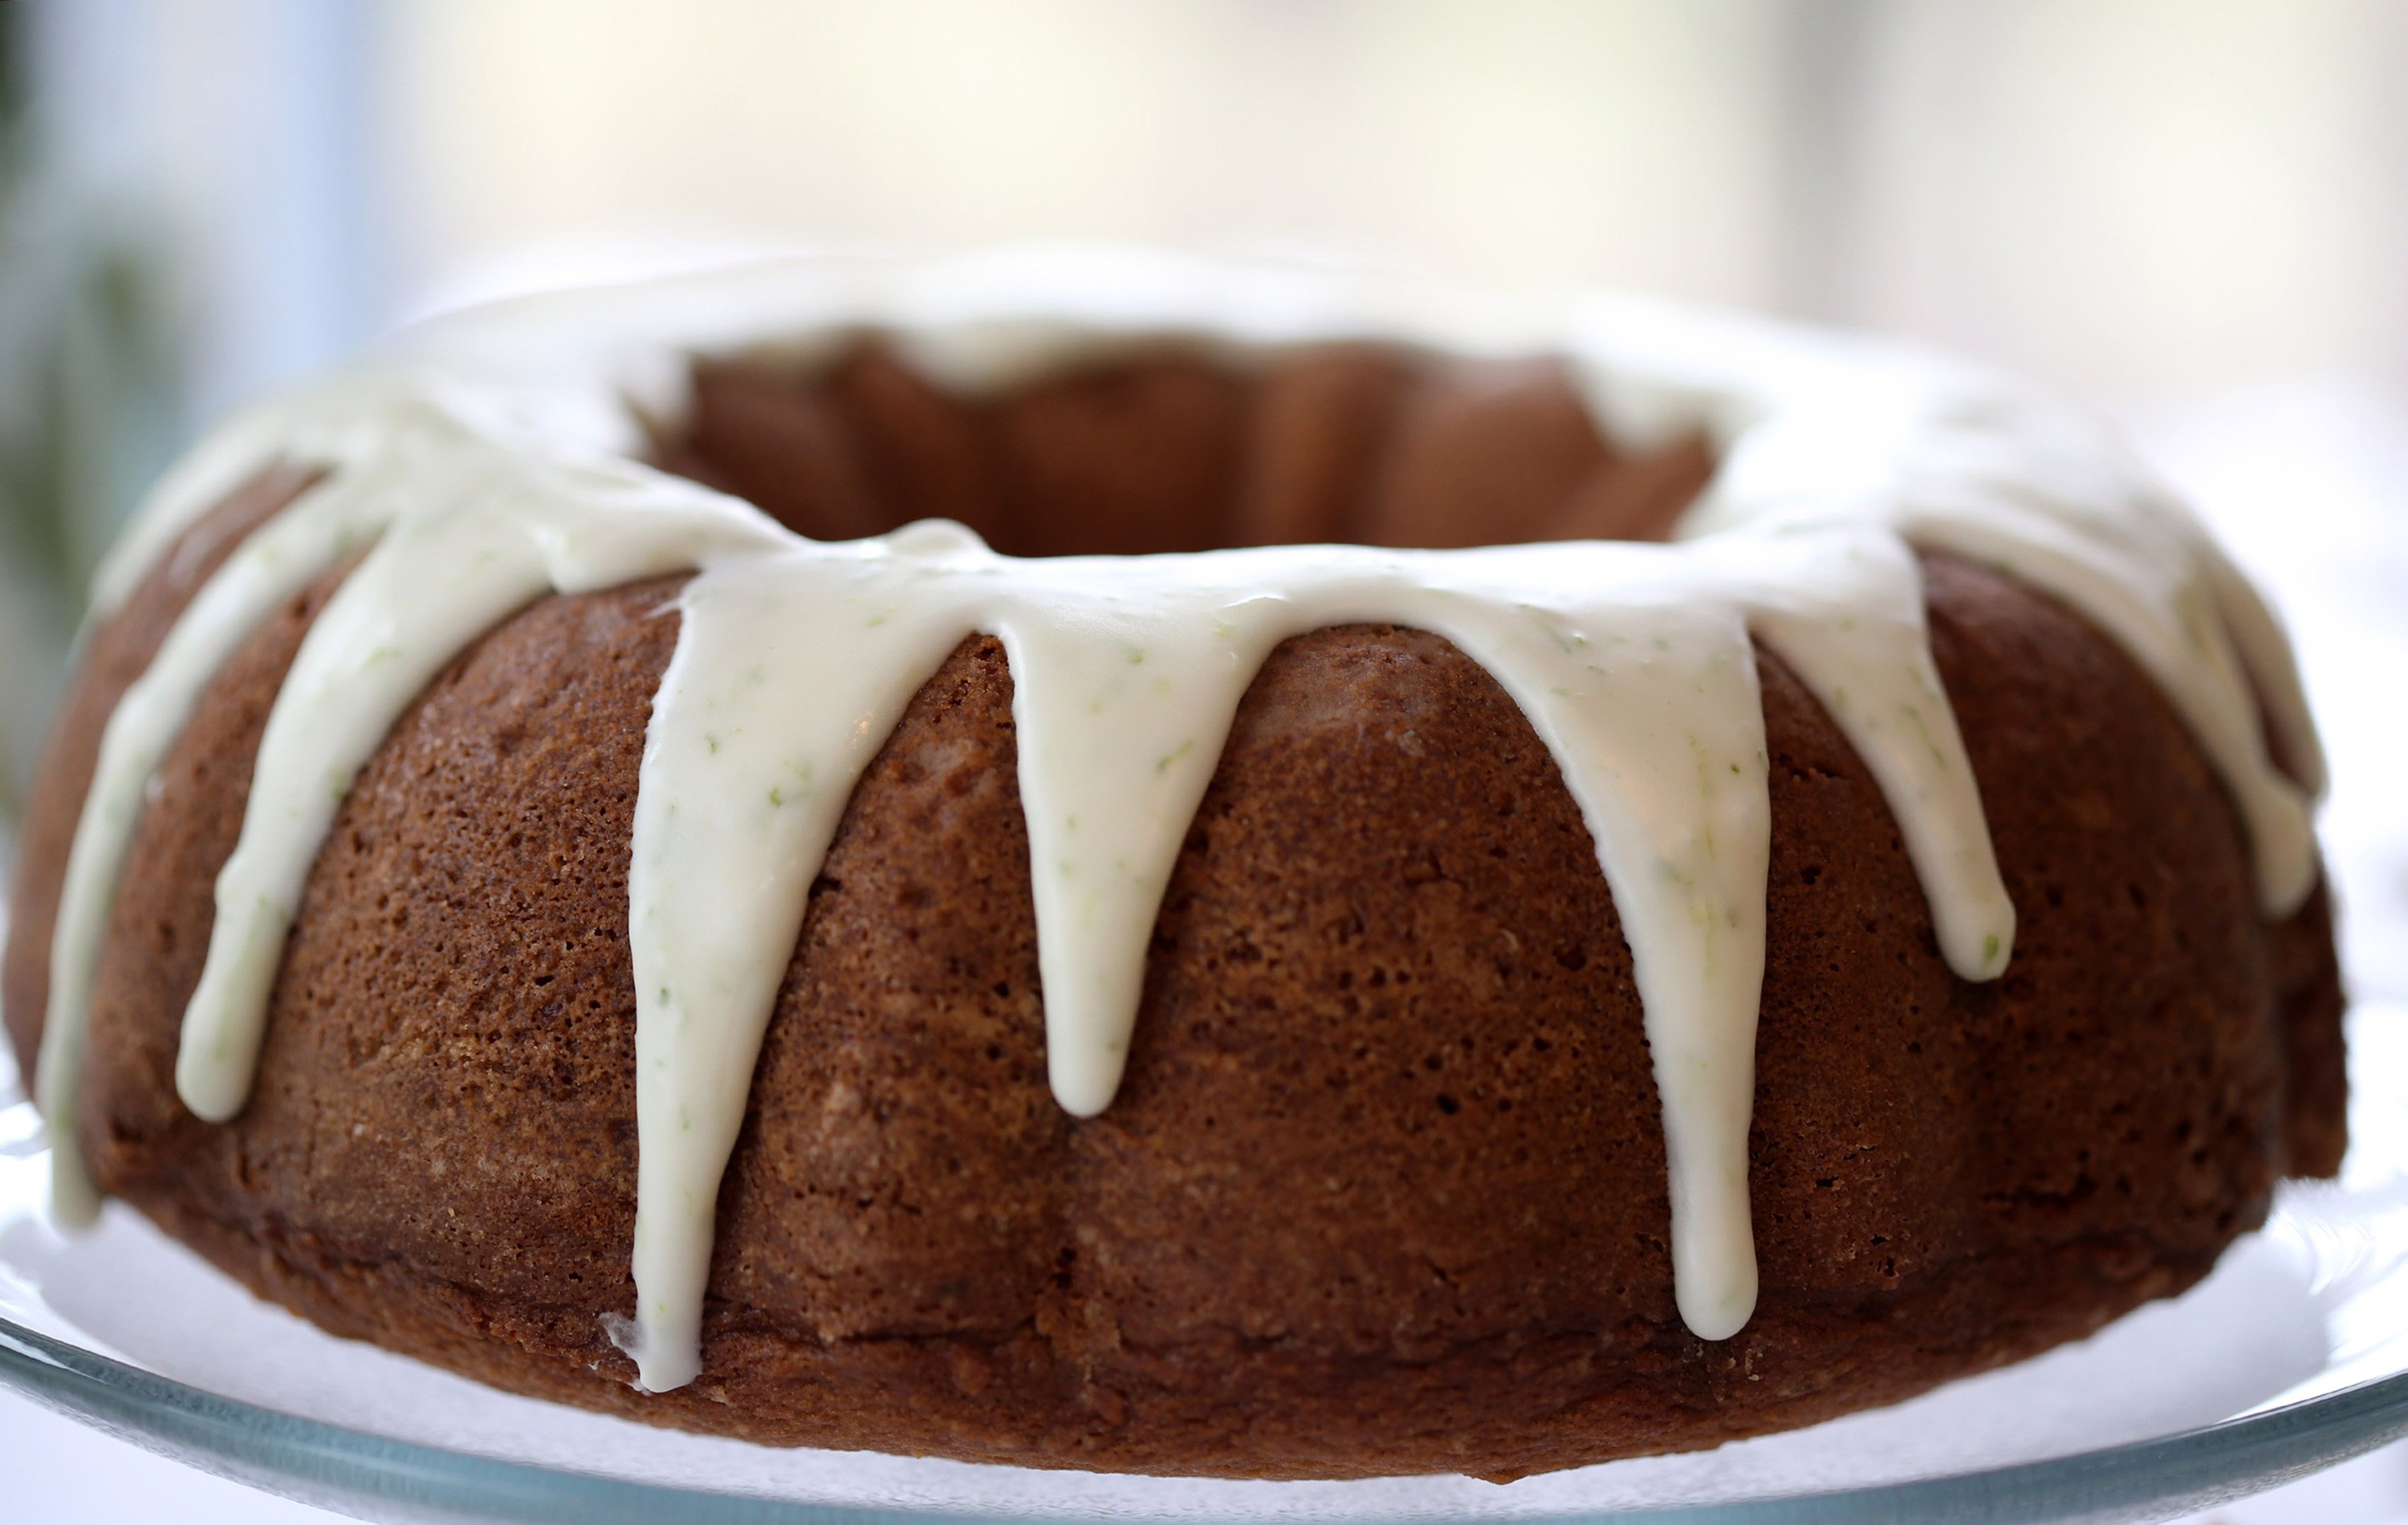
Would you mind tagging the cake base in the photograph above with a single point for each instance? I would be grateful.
(1384, 1191)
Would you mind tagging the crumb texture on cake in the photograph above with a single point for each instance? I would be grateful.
(1384, 1189)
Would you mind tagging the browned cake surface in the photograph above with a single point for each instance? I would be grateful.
(1384, 1188)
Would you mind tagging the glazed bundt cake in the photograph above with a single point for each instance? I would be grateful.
(1088, 861)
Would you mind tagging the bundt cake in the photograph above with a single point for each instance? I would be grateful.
(1092, 861)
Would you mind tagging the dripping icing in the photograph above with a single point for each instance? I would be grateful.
(487, 463)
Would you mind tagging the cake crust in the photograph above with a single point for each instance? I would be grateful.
(1384, 1191)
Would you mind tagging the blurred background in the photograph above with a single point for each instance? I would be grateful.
(2190, 213)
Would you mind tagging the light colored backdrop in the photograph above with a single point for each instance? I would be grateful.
(2133, 198)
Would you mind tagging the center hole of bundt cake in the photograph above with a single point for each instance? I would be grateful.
(1171, 449)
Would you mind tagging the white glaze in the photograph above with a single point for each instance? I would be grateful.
(488, 459)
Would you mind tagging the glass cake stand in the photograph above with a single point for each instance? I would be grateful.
(2291, 1357)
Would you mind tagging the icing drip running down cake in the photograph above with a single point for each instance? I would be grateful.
(1089, 861)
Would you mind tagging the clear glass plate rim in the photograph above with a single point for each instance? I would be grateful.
(321, 1463)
